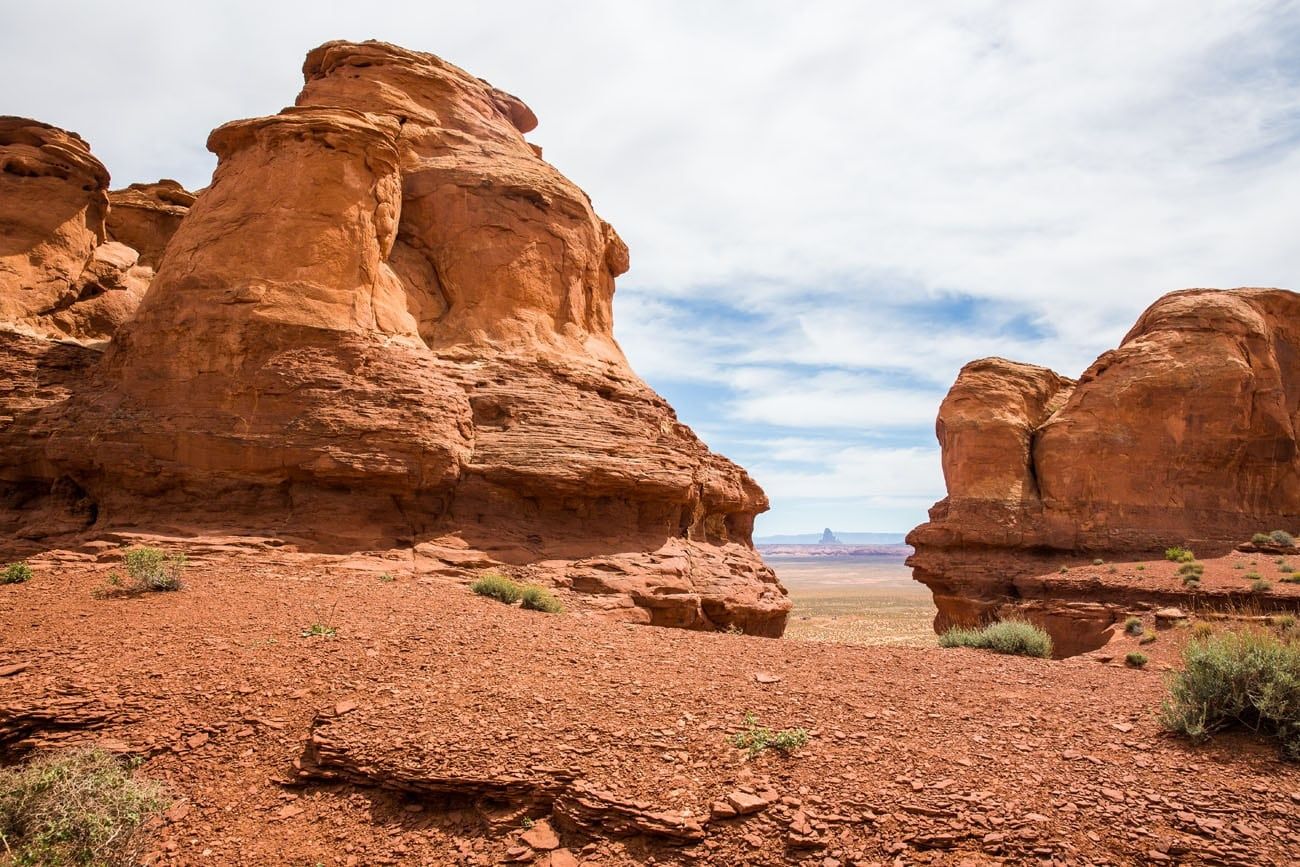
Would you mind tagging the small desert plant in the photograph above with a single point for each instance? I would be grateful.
(387, 578)
(1282, 539)
(1179, 554)
(539, 599)
(1285, 623)
(1202, 629)
(1261, 539)
(1098, 561)
(1140, 567)
(1252, 576)
(756, 738)
(1191, 569)
(320, 630)
(1064, 569)
(1133, 626)
(1260, 586)
(1249, 679)
(1149, 638)
(16, 573)
(499, 587)
(1112, 569)
(1192, 580)
(1134, 659)
(1007, 636)
(74, 808)
(1285, 567)
(152, 569)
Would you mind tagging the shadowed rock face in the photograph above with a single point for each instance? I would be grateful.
(1185, 434)
(389, 321)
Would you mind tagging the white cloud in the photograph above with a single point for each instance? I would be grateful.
(901, 476)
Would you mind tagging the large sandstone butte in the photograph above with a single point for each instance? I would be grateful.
(387, 321)
(1184, 435)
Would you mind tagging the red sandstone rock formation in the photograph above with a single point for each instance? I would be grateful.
(145, 216)
(1185, 434)
(388, 320)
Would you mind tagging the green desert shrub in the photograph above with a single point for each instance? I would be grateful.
(1285, 567)
(498, 587)
(1133, 626)
(1098, 561)
(1260, 586)
(1192, 580)
(1282, 538)
(539, 599)
(16, 573)
(1261, 539)
(1252, 576)
(1248, 679)
(1135, 659)
(152, 569)
(1008, 636)
(756, 738)
(1191, 569)
(1179, 554)
(74, 808)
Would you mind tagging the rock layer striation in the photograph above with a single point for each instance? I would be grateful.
(386, 321)
(1186, 434)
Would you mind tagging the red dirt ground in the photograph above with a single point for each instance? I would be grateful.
(441, 725)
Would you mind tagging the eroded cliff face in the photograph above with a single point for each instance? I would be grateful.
(389, 321)
(1185, 434)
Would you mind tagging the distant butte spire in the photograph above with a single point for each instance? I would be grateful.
(829, 538)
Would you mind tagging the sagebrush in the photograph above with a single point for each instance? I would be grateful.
(1248, 679)
(757, 738)
(16, 573)
(151, 570)
(498, 587)
(537, 598)
(81, 807)
(1007, 636)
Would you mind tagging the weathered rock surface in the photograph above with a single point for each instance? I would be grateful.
(1185, 434)
(145, 216)
(60, 273)
(389, 321)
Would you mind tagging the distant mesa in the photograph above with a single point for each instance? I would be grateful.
(828, 538)
(1186, 434)
(386, 322)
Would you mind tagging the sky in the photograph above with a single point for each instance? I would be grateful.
(831, 206)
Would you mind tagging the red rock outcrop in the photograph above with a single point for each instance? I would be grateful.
(1185, 434)
(145, 216)
(72, 265)
(389, 321)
